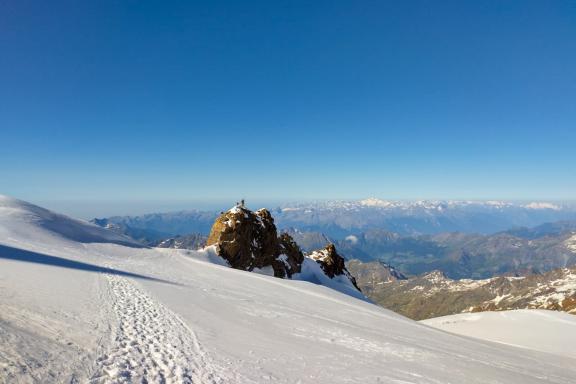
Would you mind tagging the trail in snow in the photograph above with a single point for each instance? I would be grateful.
(151, 343)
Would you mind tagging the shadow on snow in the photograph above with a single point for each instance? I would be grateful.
(10, 253)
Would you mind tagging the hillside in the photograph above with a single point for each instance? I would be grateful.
(461, 255)
(81, 309)
(433, 294)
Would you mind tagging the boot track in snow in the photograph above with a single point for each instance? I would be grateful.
(151, 343)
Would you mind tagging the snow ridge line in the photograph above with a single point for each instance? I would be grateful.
(151, 343)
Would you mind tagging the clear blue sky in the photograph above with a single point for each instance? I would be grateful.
(162, 100)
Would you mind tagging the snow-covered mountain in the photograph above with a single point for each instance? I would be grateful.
(82, 305)
(342, 218)
(338, 219)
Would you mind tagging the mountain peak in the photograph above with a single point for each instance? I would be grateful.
(249, 240)
(542, 205)
(375, 202)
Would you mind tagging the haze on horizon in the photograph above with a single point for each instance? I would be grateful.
(185, 103)
(90, 209)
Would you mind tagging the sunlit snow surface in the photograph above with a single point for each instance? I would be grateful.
(540, 330)
(77, 308)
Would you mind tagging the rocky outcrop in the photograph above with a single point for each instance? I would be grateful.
(249, 240)
(290, 255)
(332, 263)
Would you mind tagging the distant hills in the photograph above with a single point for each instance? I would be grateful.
(461, 255)
(433, 294)
(155, 226)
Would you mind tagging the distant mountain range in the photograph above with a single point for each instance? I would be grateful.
(433, 294)
(338, 219)
(461, 255)
(156, 226)
(362, 230)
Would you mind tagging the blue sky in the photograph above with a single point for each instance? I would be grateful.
(192, 100)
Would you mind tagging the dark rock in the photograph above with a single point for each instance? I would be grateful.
(249, 240)
(293, 254)
(332, 263)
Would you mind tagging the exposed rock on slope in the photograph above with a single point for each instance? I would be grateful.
(332, 263)
(249, 240)
(291, 255)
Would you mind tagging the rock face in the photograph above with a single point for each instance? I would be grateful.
(291, 256)
(249, 240)
(332, 263)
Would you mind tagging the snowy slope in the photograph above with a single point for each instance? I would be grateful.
(539, 330)
(73, 310)
(20, 220)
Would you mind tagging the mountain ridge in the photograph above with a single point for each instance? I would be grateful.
(338, 219)
(433, 294)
